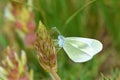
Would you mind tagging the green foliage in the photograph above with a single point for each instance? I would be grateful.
(113, 76)
(3, 41)
(95, 20)
(99, 19)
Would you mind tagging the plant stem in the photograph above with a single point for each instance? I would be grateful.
(54, 75)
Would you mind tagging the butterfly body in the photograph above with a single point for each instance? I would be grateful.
(61, 40)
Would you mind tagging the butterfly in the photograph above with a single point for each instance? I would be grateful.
(79, 49)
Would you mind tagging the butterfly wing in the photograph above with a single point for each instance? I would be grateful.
(81, 49)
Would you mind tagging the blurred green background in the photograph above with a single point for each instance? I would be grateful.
(99, 20)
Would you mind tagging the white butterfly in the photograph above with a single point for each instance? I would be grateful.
(79, 49)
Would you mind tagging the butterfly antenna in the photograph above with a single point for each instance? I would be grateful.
(55, 28)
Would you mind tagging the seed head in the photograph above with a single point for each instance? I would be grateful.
(45, 49)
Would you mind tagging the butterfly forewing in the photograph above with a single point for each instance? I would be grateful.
(81, 49)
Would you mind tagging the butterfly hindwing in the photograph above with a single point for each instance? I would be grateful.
(81, 49)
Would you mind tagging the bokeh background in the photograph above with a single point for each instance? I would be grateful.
(99, 20)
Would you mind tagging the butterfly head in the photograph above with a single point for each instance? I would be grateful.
(61, 40)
